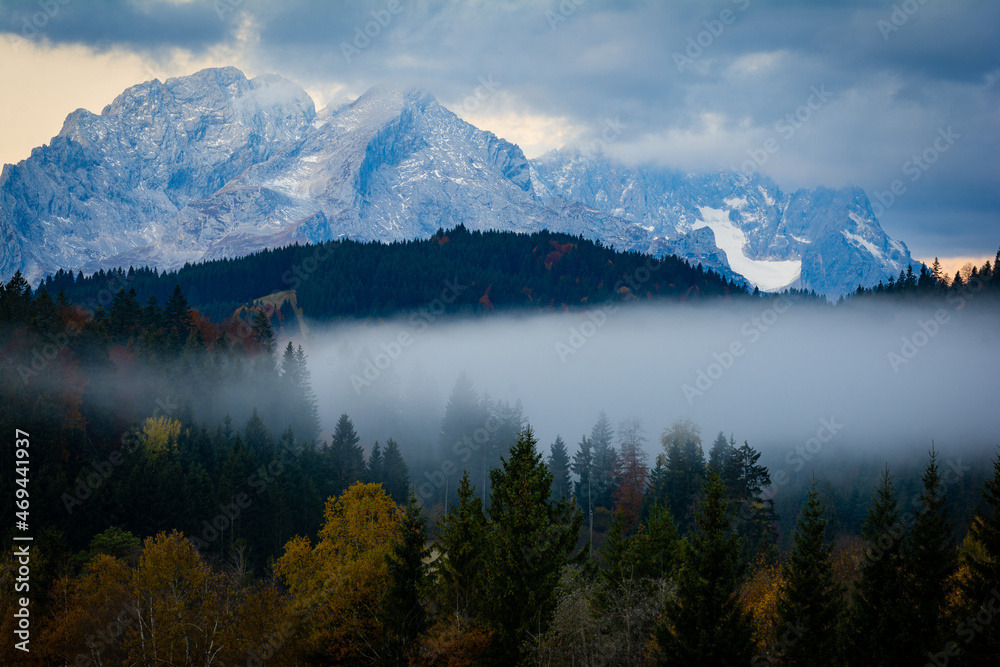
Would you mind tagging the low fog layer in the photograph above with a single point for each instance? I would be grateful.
(865, 380)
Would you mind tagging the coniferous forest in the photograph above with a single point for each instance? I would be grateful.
(192, 501)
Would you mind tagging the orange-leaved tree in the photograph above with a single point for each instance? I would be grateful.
(337, 586)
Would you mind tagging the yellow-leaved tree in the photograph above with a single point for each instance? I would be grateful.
(338, 586)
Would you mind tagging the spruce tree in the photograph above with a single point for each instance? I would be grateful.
(685, 470)
(562, 485)
(346, 456)
(395, 474)
(403, 615)
(531, 539)
(176, 317)
(704, 622)
(604, 461)
(929, 560)
(462, 545)
(658, 548)
(375, 468)
(874, 631)
(982, 586)
(809, 603)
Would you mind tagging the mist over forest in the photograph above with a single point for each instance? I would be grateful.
(791, 369)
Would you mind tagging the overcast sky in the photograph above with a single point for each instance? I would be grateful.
(693, 85)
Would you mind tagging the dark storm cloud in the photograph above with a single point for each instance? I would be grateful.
(696, 84)
(105, 24)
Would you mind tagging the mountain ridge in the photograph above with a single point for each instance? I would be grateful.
(215, 165)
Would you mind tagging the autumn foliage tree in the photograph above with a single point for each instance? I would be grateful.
(338, 586)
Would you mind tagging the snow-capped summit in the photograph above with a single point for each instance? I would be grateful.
(216, 165)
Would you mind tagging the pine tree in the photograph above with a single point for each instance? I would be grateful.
(685, 470)
(395, 474)
(375, 467)
(658, 548)
(875, 634)
(461, 543)
(656, 489)
(809, 603)
(346, 455)
(582, 467)
(719, 455)
(176, 318)
(263, 332)
(755, 514)
(403, 615)
(632, 473)
(562, 485)
(604, 462)
(463, 415)
(982, 587)
(530, 541)
(929, 560)
(704, 623)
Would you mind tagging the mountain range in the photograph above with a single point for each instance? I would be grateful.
(216, 165)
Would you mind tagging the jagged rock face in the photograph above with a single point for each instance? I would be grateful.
(215, 165)
(107, 184)
(742, 222)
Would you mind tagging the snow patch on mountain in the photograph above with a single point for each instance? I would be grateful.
(767, 275)
(215, 165)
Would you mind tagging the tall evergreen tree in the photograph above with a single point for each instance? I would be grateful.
(929, 559)
(755, 514)
(632, 473)
(176, 318)
(685, 470)
(464, 413)
(658, 549)
(375, 468)
(462, 544)
(704, 622)
(810, 600)
(562, 485)
(531, 539)
(980, 588)
(347, 458)
(874, 631)
(395, 474)
(403, 616)
(604, 462)
(582, 467)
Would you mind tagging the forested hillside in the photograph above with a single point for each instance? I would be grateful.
(187, 507)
